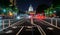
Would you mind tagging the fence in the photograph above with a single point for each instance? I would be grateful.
(54, 21)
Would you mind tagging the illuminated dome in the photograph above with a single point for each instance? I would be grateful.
(30, 8)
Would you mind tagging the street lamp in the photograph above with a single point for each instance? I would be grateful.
(4, 10)
(10, 13)
(18, 17)
(54, 11)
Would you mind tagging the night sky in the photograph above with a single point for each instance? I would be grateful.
(23, 5)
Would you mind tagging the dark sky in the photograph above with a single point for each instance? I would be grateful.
(24, 4)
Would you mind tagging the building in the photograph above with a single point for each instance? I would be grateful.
(30, 10)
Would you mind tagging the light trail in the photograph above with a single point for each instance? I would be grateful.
(39, 28)
(20, 30)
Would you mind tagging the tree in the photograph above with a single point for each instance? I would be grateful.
(41, 8)
(5, 3)
(55, 3)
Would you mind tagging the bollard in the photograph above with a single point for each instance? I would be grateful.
(3, 24)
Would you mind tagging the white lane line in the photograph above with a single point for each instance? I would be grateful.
(15, 26)
(16, 22)
(39, 28)
(20, 30)
(50, 24)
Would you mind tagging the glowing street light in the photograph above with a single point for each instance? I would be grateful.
(54, 11)
(10, 13)
(18, 17)
(4, 10)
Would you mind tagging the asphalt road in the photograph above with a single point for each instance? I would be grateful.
(25, 27)
(13, 29)
(21, 28)
(48, 29)
(30, 31)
